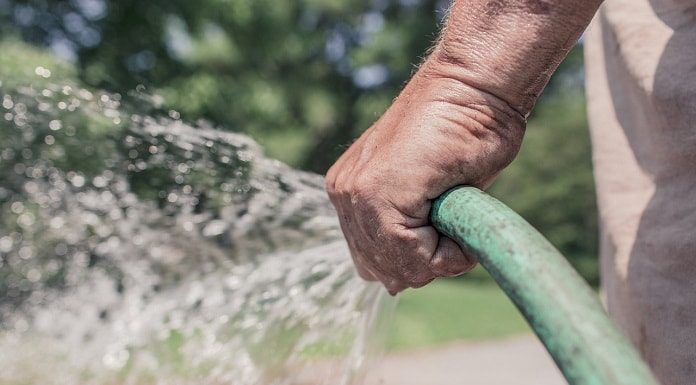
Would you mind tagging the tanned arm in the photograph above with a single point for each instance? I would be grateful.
(459, 120)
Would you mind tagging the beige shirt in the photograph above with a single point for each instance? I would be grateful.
(641, 90)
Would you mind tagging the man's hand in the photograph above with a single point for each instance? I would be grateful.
(439, 133)
(459, 120)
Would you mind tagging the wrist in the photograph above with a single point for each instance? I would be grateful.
(462, 95)
(484, 128)
(485, 70)
(510, 49)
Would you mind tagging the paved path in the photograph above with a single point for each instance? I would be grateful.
(518, 360)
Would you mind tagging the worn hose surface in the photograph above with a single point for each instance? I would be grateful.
(561, 308)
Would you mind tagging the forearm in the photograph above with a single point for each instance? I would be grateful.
(510, 48)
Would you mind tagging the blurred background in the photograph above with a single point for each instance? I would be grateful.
(304, 78)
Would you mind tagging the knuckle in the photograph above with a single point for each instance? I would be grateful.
(409, 239)
(364, 186)
(331, 181)
(413, 270)
(338, 188)
(363, 179)
(330, 184)
(439, 265)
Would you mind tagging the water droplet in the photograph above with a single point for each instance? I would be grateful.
(99, 181)
(33, 275)
(55, 125)
(116, 359)
(6, 244)
(78, 180)
(7, 102)
(19, 168)
(43, 72)
(56, 222)
(31, 187)
(25, 220)
(213, 228)
(17, 207)
(26, 252)
(8, 153)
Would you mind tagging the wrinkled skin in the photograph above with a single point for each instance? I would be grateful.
(459, 120)
(439, 133)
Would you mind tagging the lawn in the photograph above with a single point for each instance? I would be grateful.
(454, 309)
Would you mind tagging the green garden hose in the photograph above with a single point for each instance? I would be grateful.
(561, 308)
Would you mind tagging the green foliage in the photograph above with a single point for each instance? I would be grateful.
(55, 131)
(295, 75)
(49, 121)
(19, 64)
(276, 70)
(450, 309)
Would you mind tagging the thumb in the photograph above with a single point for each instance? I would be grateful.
(450, 260)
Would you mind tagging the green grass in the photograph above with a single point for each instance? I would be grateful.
(453, 309)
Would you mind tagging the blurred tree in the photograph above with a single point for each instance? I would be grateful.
(304, 77)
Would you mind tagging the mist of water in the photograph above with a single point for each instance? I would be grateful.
(136, 248)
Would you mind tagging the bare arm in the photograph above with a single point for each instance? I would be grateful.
(510, 48)
(460, 120)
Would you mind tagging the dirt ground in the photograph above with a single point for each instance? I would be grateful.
(519, 360)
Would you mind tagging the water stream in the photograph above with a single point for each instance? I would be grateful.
(137, 248)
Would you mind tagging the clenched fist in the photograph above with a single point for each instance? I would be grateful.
(439, 133)
(459, 121)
